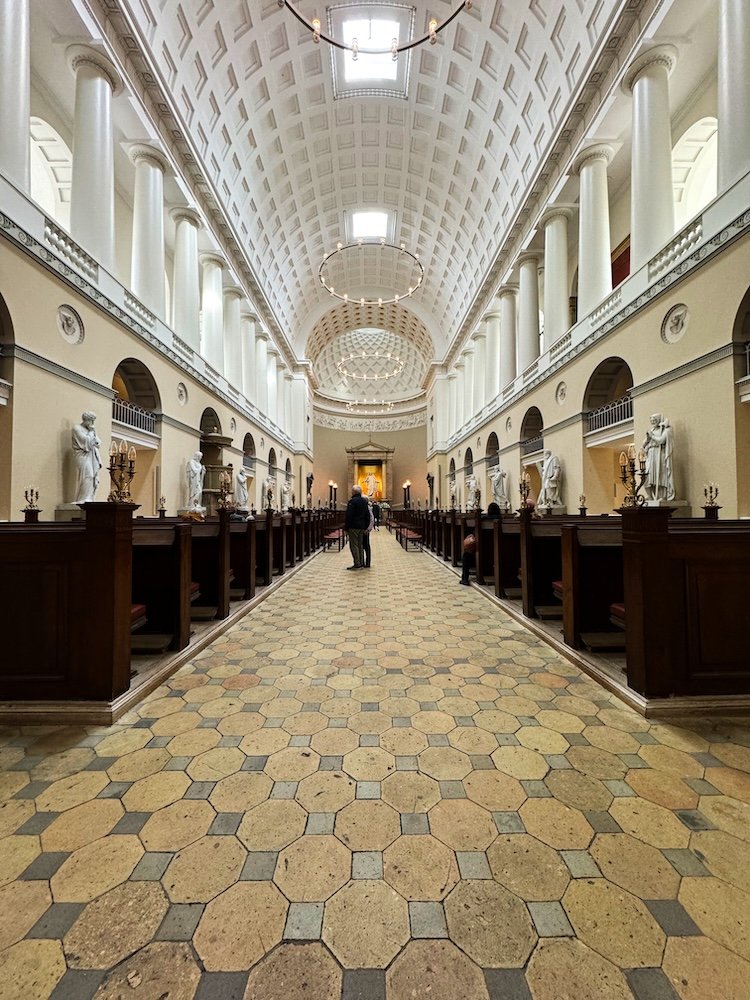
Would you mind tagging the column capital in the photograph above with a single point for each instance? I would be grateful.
(260, 333)
(288, 376)
(145, 152)
(233, 291)
(529, 257)
(452, 375)
(556, 212)
(182, 213)
(247, 312)
(480, 332)
(509, 288)
(660, 55)
(599, 151)
(212, 258)
(87, 55)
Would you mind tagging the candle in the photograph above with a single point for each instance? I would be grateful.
(123, 447)
(131, 455)
(623, 460)
(113, 449)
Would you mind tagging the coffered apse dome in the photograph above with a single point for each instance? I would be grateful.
(293, 150)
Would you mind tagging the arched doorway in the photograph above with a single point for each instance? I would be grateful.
(607, 430)
(136, 419)
(7, 339)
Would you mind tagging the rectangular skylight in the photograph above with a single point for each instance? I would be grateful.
(370, 33)
(369, 225)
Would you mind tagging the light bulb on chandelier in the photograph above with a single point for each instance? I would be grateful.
(434, 27)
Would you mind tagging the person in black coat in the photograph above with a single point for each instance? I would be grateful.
(356, 522)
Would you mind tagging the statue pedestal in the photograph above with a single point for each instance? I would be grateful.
(69, 512)
(681, 507)
(191, 510)
(556, 510)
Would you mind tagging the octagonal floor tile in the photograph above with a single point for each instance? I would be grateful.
(204, 869)
(366, 924)
(272, 825)
(565, 969)
(420, 868)
(304, 971)
(434, 970)
(313, 868)
(527, 867)
(240, 926)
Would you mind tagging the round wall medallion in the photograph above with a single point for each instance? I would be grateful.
(675, 324)
(182, 393)
(70, 325)
(508, 424)
(561, 392)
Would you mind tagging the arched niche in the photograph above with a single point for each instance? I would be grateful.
(610, 381)
(695, 169)
(134, 383)
(532, 424)
(272, 462)
(288, 469)
(210, 423)
(491, 449)
(469, 462)
(136, 409)
(248, 451)
(607, 431)
(51, 171)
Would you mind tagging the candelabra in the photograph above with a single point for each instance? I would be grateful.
(121, 472)
(633, 478)
(582, 505)
(31, 511)
(224, 501)
(162, 509)
(332, 491)
(269, 499)
(407, 494)
(478, 499)
(524, 488)
(711, 508)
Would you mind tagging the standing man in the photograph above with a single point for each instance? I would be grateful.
(376, 515)
(356, 523)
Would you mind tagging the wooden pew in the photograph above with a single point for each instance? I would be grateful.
(506, 548)
(65, 594)
(211, 567)
(243, 559)
(592, 581)
(162, 576)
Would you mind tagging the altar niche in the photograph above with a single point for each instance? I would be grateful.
(370, 466)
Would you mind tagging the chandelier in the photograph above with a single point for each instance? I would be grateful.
(346, 366)
(434, 27)
(415, 280)
(376, 406)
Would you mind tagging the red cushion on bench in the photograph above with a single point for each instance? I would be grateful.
(137, 611)
(617, 611)
(195, 588)
(557, 588)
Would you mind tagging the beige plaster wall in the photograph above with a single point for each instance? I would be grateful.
(409, 461)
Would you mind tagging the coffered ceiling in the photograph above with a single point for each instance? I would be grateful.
(287, 162)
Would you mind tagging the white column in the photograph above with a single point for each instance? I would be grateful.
(261, 369)
(288, 423)
(452, 388)
(480, 367)
(92, 195)
(469, 407)
(247, 336)
(460, 419)
(734, 91)
(273, 412)
(147, 251)
(556, 311)
(233, 335)
(594, 253)
(651, 190)
(15, 91)
(492, 367)
(280, 403)
(212, 310)
(528, 310)
(186, 298)
(508, 364)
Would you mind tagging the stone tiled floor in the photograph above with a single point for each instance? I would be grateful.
(376, 786)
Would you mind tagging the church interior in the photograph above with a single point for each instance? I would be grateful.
(475, 271)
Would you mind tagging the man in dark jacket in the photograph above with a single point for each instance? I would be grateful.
(357, 521)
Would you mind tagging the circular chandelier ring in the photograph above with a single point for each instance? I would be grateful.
(362, 355)
(434, 30)
(363, 301)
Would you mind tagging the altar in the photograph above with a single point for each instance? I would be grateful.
(370, 466)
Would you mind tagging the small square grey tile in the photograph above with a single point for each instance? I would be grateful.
(177, 764)
(338, 723)
(708, 759)
(580, 864)
(645, 739)
(482, 762)
(685, 862)
(367, 865)
(558, 761)
(37, 823)
(528, 720)
(694, 819)
(158, 741)
(304, 922)
(259, 866)
(300, 741)
(536, 789)
(225, 824)
(369, 740)
(506, 984)
(199, 790)
(369, 706)
(284, 790)
(363, 984)
(221, 986)
(620, 789)
(407, 763)
(132, 822)
(464, 720)
(401, 722)
(473, 864)
(180, 922)
(577, 739)
(428, 706)
(230, 741)
(507, 739)
(78, 984)
(413, 824)
(602, 821)
(102, 763)
(368, 789)
(254, 763)
(701, 786)
(438, 740)
(427, 920)
(633, 760)
(650, 984)
(273, 723)
(207, 724)
(33, 789)
(508, 822)
(550, 920)
(151, 867)
(57, 920)
(672, 917)
(331, 763)
(452, 790)
(320, 823)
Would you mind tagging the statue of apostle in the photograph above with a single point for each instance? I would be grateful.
(86, 457)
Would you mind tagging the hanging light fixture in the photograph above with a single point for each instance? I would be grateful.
(434, 27)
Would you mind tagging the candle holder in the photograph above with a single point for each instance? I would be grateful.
(582, 505)
(524, 488)
(121, 472)
(453, 501)
(478, 500)
(225, 501)
(711, 508)
(633, 478)
(31, 511)
(269, 499)
(407, 494)
(162, 508)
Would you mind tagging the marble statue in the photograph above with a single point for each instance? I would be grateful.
(240, 490)
(471, 492)
(452, 487)
(551, 473)
(285, 493)
(372, 485)
(269, 486)
(87, 459)
(196, 473)
(499, 493)
(657, 444)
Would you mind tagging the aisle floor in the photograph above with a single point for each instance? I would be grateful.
(376, 786)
